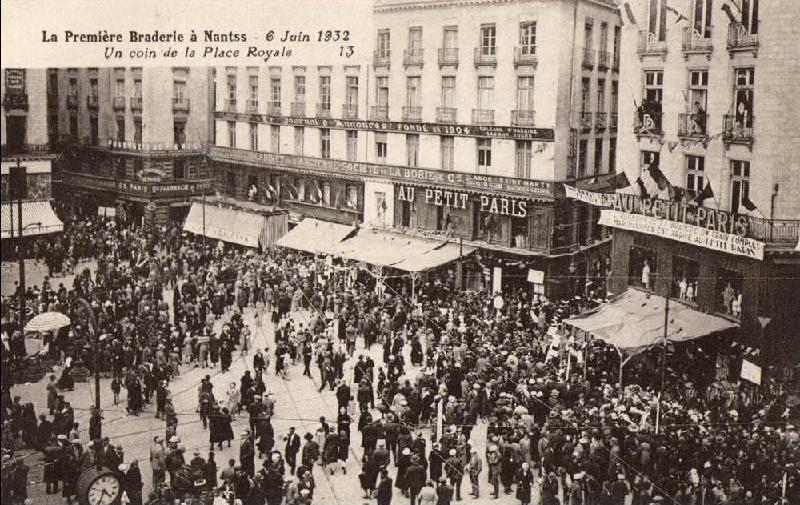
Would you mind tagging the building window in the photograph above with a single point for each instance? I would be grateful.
(527, 37)
(603, 36)
(484, 155)
(649, 158)
(299, 140)
(94, 88)
(94, 131)
(685, 274)
(352, 145)
(448, 150)
(73, 86)
(729, 289)
(653, 95)
(523, 159)
(488, 40)
(275, 92)
(300, 88)
(695, 173)
(232, 88)
(179, 90)
(614, 96)
(740, 184)
(119, 90)
(588, 34)
(642, 267)
(612, 154)
(179, 133)
(585, 95)
(120, 129)
(384, 42)
(275, 138)
(325, 93)
(702, 18)
(698, 98)
(382, 91)
(254, 90)
(525, 93)
(601, 95)
(414, 40)
(413, 91)
(412, 150)
(351, 98)
(352, 191)
(744, 81)
(232, 133)
(179, 169)
(137, 88)
(448, 91)
(324, 143)
(617, 40)
(485, 92)
(750, 15)
(450, 37)
(254, 136)
(583, 147)
(52, 84)
(598, 155)
(137, 129)
(657, 20)
(73, 127)
(381, 147)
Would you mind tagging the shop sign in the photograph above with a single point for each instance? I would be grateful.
(458, 200)
(590, 197)
(684, 232)
(15, 80)
(134, 187)
(446, 198)
(361, 170)
(751, 372)
(490, 131)
(504, 206)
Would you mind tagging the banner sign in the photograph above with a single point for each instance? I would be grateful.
(591, 197)
(751, 372)
(360, 170)
(684, 232)
(487, 131)
(135, 187)
(535, 276)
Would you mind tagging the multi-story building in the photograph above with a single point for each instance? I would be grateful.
(134, 138)
(23, 127)
(462, 124)
(714, 109)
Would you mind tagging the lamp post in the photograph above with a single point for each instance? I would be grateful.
(91, 322)
(663, 351)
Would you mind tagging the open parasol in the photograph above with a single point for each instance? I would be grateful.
(47, 321)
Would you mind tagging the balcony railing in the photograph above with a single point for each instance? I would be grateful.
(448, 56)
(119, 103)
(774, 231)
(324, 110)
(180, 104)
(412, 113)
(695, 42)
(483, 116)
(413, 57)
(650, 45)
(446, 115)
(274, 108)
(349, 111)
(92, 101)
(379, 112)
(525, 56)
(155, 146)
(737, 128)
(486, 56)
(136, 103)
(298, 109)
(72, 101)
(648, 122)
(692, 125)
(741, 38)
(603, 60)
(230, 104)
(380, 59)
(600, 120)
(588, 58)
(584, 121)
(252, 106)
(522, 117)
(613, 120)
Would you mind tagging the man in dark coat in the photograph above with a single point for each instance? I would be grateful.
(415, 478)
(384, 491)
(95, 424)
(444, 493)
(247, 455)
(133, 483)
(292, 448)
(44, 433)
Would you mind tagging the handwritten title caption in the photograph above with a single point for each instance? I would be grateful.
(207, 44)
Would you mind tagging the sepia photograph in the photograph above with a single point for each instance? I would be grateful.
(435, 252)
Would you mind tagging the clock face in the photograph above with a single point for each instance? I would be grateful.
(104, 491)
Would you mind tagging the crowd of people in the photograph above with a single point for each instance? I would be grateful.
(456, 367)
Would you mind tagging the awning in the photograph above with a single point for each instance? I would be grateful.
(433, 258)
(38, 218)
(314, 236)
(633, 322)
(228, 225)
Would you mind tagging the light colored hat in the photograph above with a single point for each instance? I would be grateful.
(61, 437)
(123, 467)
(452, 452)
(174, 439)
(406, 451)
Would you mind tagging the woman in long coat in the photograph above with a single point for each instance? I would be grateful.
(330, 451)
(524, 484)
(344, 449)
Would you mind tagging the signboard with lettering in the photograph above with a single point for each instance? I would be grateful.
(684, 232)
(490, 131)
(152, 189)
(359, 170)
(751, 372)
(15, 80)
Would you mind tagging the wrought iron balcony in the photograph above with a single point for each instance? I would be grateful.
(483, 116)
(522, 117)
(119, 103)
(274, 108)
(230, 104)
(613, 119)
(448, 56)
(584, 121)
(180, 104)
(600, 121)
(298, 109)
(324, 110)
(413, 57)
(741, 38)
(774, 231)
(350, 111)
(486, 56)
(380, 59)
(648, 123)
(446, 115)
(92, 101)
(737, 128)
(136, 103)
(692, 125)
(380, 112)
(650, 45)
(603, 60)
(252, 106)
(412, 113)
(588, 58)
(525, 56)
(695, 42)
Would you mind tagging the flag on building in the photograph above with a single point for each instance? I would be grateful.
(620, 181)
(629, 13)
(748, 204)
(705, 194)
(642, 190)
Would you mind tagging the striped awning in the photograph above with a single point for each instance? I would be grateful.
(38, 218)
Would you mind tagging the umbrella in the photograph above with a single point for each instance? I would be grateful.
(47, 321)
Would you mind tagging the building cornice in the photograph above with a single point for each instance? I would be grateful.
(412, 5)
